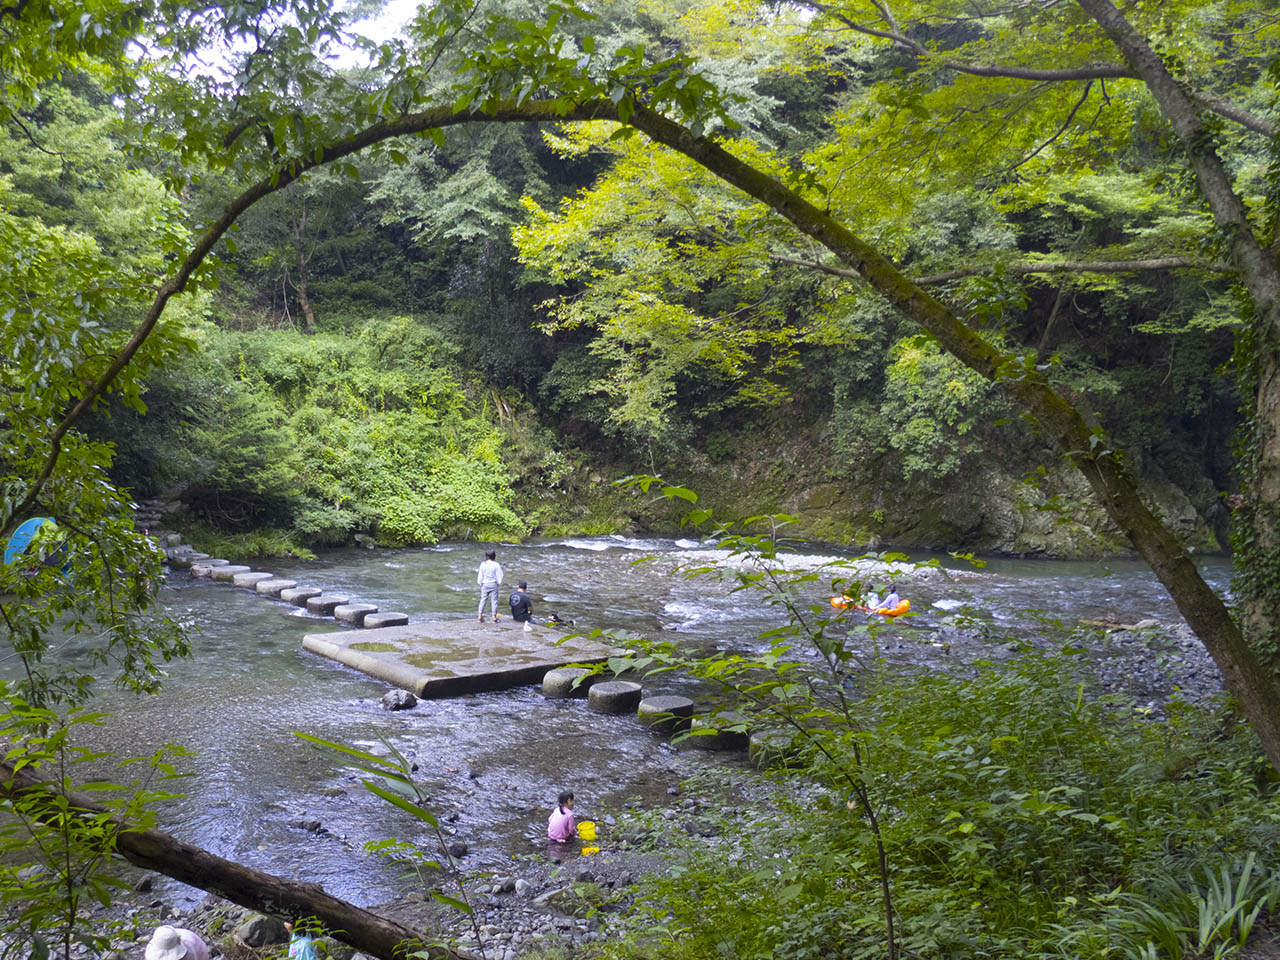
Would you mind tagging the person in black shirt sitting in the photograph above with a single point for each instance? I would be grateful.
(521, 605)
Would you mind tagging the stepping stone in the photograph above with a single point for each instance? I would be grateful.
(616, 696)
(181, 560)
(228, 573)
(251, 578)
(273, 587)
(772, 748)
(354, 612)
(325, 603)
(666, 714)
(194, 556)
(201, 569)
(557, 684)
(217, 562)
(717, 738)
(375, 620)
(173, 539)
(299, 596)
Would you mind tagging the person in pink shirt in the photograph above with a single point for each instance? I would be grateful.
(560, 825)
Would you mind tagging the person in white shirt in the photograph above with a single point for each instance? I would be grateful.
(175, 943)
(489, 576)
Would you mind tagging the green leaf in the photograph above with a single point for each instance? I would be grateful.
(449, 901)
(410, 808)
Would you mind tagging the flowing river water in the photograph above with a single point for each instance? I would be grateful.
(492, 762)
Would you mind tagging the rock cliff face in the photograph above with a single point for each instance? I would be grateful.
(1000, 506)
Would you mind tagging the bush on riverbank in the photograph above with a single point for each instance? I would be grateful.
(1018, 817)
(366, 430)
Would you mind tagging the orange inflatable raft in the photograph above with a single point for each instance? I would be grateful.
(845, 603)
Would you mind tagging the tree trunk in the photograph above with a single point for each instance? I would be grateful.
(1257, 524)
(153, 850)
(1090, 450)
(304, 299)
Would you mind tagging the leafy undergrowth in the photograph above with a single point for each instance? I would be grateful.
(1018, 819)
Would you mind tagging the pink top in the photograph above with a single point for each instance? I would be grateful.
(560, 824)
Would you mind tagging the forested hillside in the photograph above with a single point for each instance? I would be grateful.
(467, 334)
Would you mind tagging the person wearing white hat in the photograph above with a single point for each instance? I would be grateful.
(175, 943)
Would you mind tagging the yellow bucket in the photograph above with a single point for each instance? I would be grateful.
(586, 830)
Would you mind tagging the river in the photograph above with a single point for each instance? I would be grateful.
(492, 762)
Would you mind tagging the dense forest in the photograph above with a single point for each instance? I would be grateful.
(453, 338)
(936, 273)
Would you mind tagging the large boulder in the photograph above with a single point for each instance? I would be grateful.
(260, 931)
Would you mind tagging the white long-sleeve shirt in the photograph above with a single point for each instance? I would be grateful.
(490, 572)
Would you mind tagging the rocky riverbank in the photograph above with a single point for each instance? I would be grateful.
(553, 902)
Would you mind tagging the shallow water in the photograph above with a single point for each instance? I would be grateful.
(491, 762)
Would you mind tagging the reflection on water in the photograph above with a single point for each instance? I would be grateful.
(492, 762)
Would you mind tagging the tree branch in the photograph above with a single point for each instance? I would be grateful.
(1019, 269)
(531, 111)
(1095, 71)
(1079, 266)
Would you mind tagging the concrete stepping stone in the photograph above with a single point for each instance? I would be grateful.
(228, 573)
(252, 578)
(375, 620)
(772, 748)
(181, 560)
(273, 587)
(354, 612)
(299, 596)
(616, 696)
(173, 539)
(206, 566)
(325, 603)
(558, 684)
(665, 714)
(717, 738)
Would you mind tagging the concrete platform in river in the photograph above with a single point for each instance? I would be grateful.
(448, 658)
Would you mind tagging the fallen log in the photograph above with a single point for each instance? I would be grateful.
(166, 854)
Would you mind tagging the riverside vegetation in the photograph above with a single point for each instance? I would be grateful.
(526, 247)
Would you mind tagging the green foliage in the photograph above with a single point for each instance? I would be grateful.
(991, 811)
(57, 855)
(931, 404)
(330, 435)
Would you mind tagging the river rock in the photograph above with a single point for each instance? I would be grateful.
(299, 596)
(354, 612)
(665, 714)
(714, 736)
(274, 586)
(325, 603)
(389, 619)
(229, 572)
(173, 540)
(523, 887)
(616, 696)
(458, 849)
(251, 579)
(260, 931)
(771, 748)
(399, 700)
(558, 684)
(1147, 625)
